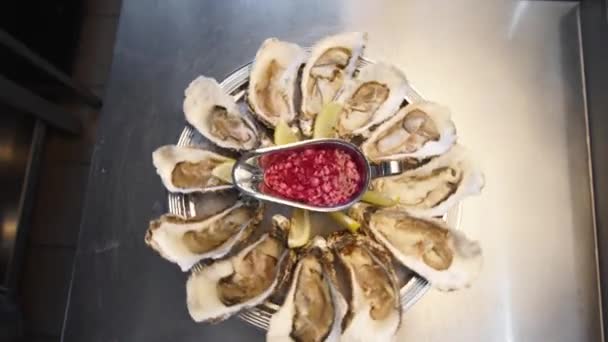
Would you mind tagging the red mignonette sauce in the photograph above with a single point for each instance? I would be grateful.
(321, 176)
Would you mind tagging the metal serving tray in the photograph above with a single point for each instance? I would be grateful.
(413, 288)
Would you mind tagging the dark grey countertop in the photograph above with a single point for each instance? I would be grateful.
(499, 66)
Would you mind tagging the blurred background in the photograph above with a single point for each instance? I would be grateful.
(59, 52)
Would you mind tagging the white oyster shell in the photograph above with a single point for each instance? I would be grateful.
(217, 117)
(272, 81)
(186, 241)
(188, 169)
(443, 256)
(418, 130)
(332, 61)
(375, 307)
(433, 188)
(370, 98)
(281, 327)
(225, 287)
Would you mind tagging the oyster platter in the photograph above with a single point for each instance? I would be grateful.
(307, 275)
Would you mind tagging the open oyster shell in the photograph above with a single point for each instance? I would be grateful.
(272, 81)
(217, 117)
(418, 130)
(246, 279)
(186, 241)
(188, 169)
(433, 188)
(375, 309)
(443, 256)
(313, 308)
(370, 98)
(332, 61)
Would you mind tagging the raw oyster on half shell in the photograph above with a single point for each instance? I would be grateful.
(188, 169)
(332, 61)
(370, 98)
(418, 130)
(374, 312)
(186, 241)
(243, 280)
(441, 255)
(272, 81)
(433, 188)
(313, 308)
(217, 117)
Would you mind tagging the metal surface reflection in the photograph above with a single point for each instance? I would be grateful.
(15, 139)
(511, 73)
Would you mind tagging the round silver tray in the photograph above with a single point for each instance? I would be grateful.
(179, 204)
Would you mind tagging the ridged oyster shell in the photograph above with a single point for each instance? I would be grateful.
(246, 279)
(433, 188)
(374, 312)
(272, 81)
(186, 241)
(370, 98)
(418, 130)
(332, 61)
(441, 255)
(188, 169)
(217, 117)
(313, 308)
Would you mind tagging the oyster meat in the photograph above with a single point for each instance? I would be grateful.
(186, 241)
(272, 81)
(433, 188)
(217, 117)
(370, 98)
(443, 256)
(375, 309)
(313, 308)
(246, 279)
(188, 169)
(332, 61)
(418, 130)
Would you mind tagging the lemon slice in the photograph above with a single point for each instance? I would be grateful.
(299, 233)
(283, 134)
(327, 120)
(224, 171)
(378, 198)
(345, 221)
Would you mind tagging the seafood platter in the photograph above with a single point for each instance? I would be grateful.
(281, 207)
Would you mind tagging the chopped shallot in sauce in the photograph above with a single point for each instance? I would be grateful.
(321, 176)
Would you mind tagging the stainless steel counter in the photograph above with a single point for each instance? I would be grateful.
(509, 70)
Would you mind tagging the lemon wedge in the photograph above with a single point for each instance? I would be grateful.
(345, 221)
(283, 134)
(327, 120)
(224, 171)
(378, 198)
(299, 233)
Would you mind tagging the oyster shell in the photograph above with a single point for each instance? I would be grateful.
(418, 130)
(217, 117)
(246, 279)
(433, 188)
(272, 81)
(313, 308)
(186, 241)
(370, 98)
(188, 169)
(375, 308)
(332, 61)
(443, 256)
